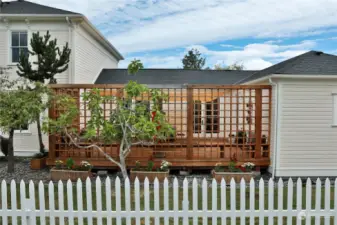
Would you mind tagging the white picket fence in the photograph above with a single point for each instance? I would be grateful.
(130, 204)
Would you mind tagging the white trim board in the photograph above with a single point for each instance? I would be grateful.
(306, 172)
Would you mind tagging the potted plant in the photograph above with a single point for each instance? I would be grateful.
(161, 173)
(70, 171)
(38, 161)
(233, 171)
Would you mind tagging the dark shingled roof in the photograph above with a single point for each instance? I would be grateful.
(172, 76)
(309, 63)
(26, 7)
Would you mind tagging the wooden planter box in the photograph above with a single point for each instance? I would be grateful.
(37, 164)
(151, 175)
(237, 176)
(64, 175)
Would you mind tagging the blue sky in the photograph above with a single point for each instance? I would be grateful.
(256, 33)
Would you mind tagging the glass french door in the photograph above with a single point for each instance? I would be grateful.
(206, 118)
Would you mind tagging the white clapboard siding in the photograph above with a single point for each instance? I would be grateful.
(218, 202)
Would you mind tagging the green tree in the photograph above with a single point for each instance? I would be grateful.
(235, 66)
(49, 61)
(19, 106)
(193, 60)
(131, 122)
(134, 66)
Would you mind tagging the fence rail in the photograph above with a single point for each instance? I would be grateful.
(168, 203)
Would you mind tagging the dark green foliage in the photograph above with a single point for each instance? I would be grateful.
(235, 66)
(193, 60)
(19, 106)
(241, 137)
(137, 167)
(134, 66)
(50, 59)
(4, 144)
(70, 163)
(150, 165)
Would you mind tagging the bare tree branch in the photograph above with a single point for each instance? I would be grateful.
(91, 146)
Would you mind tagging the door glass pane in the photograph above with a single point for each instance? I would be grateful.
(197, 117)
(209, 117)
(23, 39)
(212, 117)
(216, 116)
(15, 39)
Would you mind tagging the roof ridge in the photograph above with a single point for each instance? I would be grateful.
(293, 61)
(46, 6)
(275, 66)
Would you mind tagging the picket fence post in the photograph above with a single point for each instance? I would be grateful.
(192, 202)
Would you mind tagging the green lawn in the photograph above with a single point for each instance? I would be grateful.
(180, 199)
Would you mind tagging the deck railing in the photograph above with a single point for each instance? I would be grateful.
(212, 124)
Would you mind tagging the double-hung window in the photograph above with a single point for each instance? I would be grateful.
(19, 44)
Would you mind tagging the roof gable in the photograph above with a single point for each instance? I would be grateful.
(309, 63)
(26, 7)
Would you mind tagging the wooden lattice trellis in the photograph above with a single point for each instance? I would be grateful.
(212, 123)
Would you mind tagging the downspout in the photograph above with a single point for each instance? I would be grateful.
(70, 42)
(276, 86)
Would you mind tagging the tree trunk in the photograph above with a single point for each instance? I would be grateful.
(39, 134)
(123, 166)
(10, 167)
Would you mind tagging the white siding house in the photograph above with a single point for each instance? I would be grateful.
(307, 131)
(90, 51)
(304, 115)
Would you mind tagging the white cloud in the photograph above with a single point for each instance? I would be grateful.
(225, 20)
(145, 25)
(256, 64)
(253, 56)
(135, 26)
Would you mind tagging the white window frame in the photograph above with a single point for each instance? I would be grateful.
(11, 47)
(334, 109)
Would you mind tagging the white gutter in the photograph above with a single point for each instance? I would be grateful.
(294, 76)
(289, 76)
(40, 15)
(276, 126)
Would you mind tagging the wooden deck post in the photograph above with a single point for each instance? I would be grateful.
(190, 118)
(258, 122)
(51, 138)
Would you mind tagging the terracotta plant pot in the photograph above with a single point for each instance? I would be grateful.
(151, 175)
(73, 175)
(37, 164)
(237, 176)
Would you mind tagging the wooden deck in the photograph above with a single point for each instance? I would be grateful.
(205, 153)
(204, 117)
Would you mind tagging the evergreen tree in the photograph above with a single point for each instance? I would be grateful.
(193, 60)
(49, 60)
